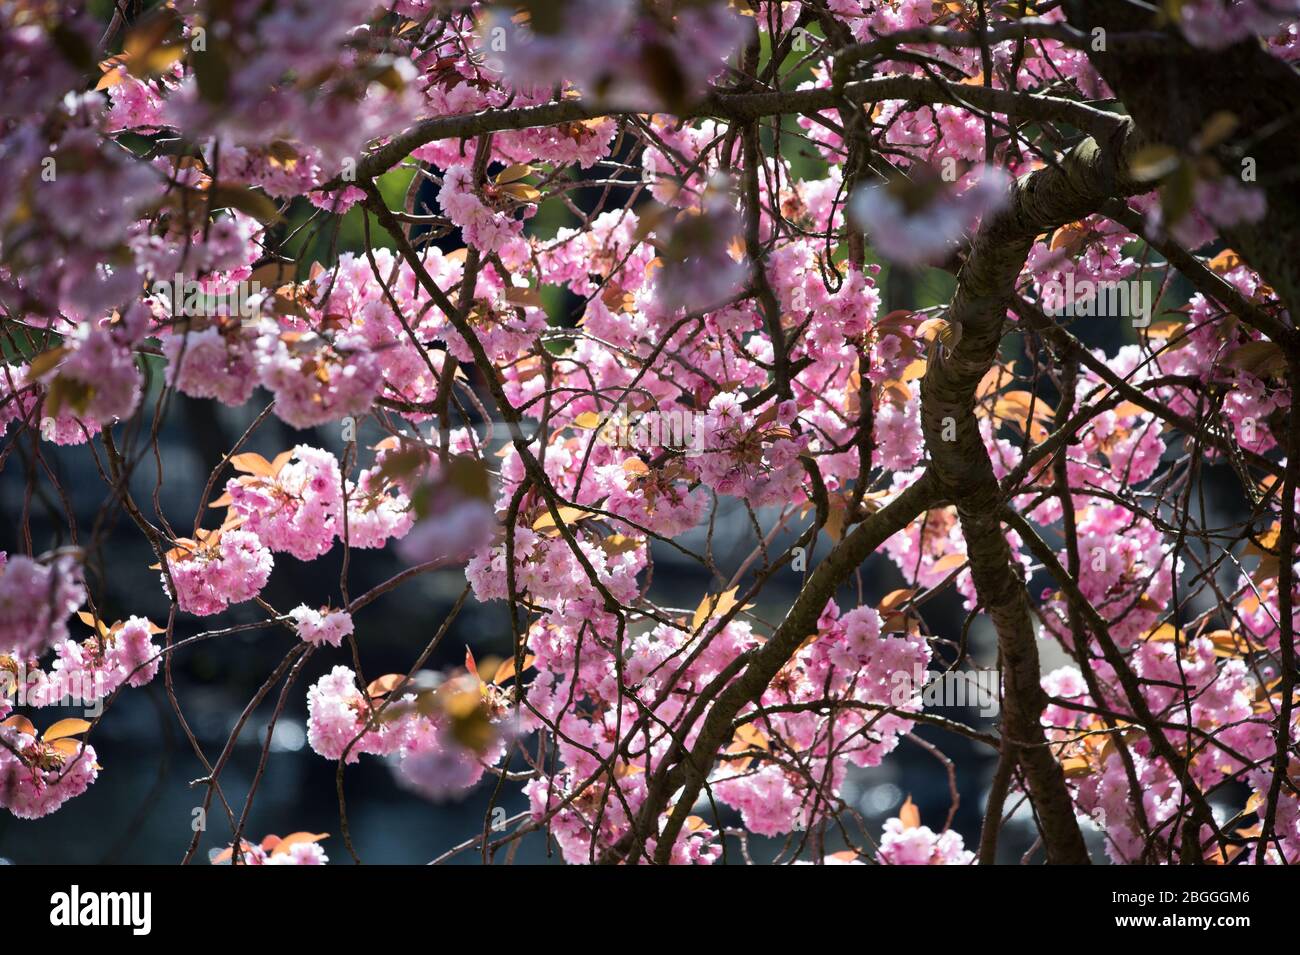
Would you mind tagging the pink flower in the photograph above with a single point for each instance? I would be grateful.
(632, 60)
(42, 777)
(698, 271)
(300, 853)
(98, 381)
(315, 381)
(35, 601)
(321, 626)
(213, 363)
(1228, 202)
(437, 767)
(211, 576)
(295, 510)
(482, 227)
(918, 845)
(456, 514)
(919, 224)
(338, 717)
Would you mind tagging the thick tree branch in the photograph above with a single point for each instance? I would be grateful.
(1173, 104)
(1043, 200)
(1202, 814)
(762, 665)
(739, 108)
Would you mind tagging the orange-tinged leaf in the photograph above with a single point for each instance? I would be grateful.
(993, 380)
(913, 370)
(769, 414)
(940, 330)
(282, 155)
(281, 459)
(525, 297)
(1167, 328)
(232, 522)
(747, 737)
(20, 723)
(250, 462)
(1165, 633)
(896, 392)
(895, 599)
(1228, 645)
(568, 515)
(1225, 261)
(1147, 602)
(588, 421)
(274, 274)
(1075, 766)
(909, 815)
(68, 747)
(1268, 569)
(836, 515)
(112, 75)
(714, 605)
(506, 670)
(149, 31)
(513, 173)
(1069, 237)
(1015, 406)
(385, 685)
(63, 728)
(616, 544)
(1261, 358)
(297, 838)
(89, 620)
(949, 562)
(158, 60)
(46, 362)
(1265, 544)
(522, 191)
(226, 854)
